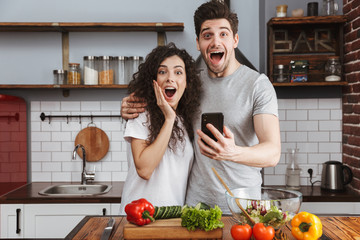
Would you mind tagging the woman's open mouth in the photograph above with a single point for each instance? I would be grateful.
(170, 92)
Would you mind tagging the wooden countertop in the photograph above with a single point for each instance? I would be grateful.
(334, 228)
(30, 194)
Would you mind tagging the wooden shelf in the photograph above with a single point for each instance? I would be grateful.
(307, 20)
(65, 27)
(303, 84)
(50, 86)
(90, 27)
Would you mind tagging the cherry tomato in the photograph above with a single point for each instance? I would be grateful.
(241, 232)
(263, 233)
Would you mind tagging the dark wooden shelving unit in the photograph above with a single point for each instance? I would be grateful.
(312, 38)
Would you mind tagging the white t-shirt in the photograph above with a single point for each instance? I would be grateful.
(167, 185)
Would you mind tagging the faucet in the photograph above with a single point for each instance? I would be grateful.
(85, 176)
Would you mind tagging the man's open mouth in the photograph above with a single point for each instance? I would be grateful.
(170, 91)
(216, 56)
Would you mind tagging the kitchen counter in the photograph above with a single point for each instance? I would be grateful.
(29, 194)
(316, 194)
(335, 228)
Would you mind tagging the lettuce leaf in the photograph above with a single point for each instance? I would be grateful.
(204, 219)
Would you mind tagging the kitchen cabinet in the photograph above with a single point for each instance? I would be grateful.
(12, 221)
(312, 38)
(46, 220)
(65, 27)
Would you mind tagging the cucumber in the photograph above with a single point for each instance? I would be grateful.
(166, 212)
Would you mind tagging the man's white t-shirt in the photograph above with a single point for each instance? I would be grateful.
(167, 185)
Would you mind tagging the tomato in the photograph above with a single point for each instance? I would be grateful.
(241, 232)
(263, 233)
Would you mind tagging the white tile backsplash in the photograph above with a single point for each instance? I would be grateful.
(314, 127)
(311, 125)
(53, 142)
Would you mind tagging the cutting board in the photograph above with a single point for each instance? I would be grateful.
(95, 141)
(167, 229)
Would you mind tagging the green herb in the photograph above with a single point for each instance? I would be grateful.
(198, 218)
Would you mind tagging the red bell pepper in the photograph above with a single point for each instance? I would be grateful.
(140, 212)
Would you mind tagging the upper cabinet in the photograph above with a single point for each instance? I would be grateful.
(65, 27)
(306, 43)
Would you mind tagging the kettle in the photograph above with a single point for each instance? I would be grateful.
(335, 176)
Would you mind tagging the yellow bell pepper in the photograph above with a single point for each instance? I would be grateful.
(306, 226)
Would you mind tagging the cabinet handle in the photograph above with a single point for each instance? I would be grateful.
(104, 211)
(18, 230)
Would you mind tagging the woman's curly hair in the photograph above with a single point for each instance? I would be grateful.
(188, 107)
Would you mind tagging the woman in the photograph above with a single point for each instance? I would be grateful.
(161, 138)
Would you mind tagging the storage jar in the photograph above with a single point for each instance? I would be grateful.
(90, 70)
(106, 70)
(74, 75)
(60, 76)
(333, 69)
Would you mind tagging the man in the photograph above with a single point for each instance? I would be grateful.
(251, 138)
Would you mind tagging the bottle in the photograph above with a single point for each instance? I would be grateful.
(106, 71)
(90, 70)
(74, 76)
(292, 170)
(333, 69)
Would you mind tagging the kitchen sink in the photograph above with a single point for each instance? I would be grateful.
(75, 190)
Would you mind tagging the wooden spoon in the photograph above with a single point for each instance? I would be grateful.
(231, 194)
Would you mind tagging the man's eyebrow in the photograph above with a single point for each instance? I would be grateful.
(205, 29)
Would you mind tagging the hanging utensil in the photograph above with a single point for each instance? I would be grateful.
(95, 141)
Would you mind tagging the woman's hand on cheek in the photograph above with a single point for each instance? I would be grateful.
(162, 103)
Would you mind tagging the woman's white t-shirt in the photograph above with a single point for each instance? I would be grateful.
(167, 185)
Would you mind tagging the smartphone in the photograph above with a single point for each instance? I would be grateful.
(216, 119)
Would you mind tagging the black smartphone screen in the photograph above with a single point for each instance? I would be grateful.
(216, 119)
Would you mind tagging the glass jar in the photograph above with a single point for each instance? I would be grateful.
(119, 62)
(293, 170)
(106, 71)
(329, 8)
(90, 70)
(74, 76)
(60, 76)
(281, 10)
(333, 69)
(134, 63)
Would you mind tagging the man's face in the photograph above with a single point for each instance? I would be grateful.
(216, 43)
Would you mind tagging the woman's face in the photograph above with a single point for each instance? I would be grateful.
(171, 77)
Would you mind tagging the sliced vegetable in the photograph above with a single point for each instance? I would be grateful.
(166, 212)
(241, 232)
(206, 219)
(140, 212)
(306, 226)
(263, 233)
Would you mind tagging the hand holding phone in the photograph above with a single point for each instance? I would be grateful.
(216, 119)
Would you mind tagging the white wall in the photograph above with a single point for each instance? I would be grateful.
(31, 57)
